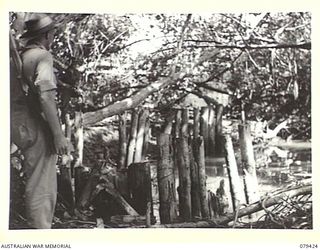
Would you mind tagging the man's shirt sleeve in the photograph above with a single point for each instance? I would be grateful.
(45, 79)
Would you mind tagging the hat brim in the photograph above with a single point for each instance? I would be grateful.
(34, 34)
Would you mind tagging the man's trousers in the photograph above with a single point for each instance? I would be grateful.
(34, 138)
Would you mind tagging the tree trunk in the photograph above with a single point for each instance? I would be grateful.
(194, 171)
(184, 188)
(204, 128)
(234, 179)
(139, 181)
(166, 181)
(79, 144)
(122, 140)
(140, 134)
(248, 164)
(202, 179)
(219, 136)
(133, 136)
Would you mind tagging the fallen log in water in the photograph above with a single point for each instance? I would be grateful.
(250, 209)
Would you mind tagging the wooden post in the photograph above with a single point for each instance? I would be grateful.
(140, 135)
(176, 134)
(79, 144)
(177, 127)
(122, 140)
(196, 121)
(139, 181)
(65, 181)
(133, 136)
(194, 171)
(219, 136)
(234, 179)
(184, 188)
(248, 164)
(146, 140)
(166, 181)
(202, 179)
(212, 131)
(204, 132)
(195, 185)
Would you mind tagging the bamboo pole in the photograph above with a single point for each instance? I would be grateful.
(140, 134)
(133, 136)
(234, 179)
(202, 179)
(166, 181)
(122, 140)
(248, 164)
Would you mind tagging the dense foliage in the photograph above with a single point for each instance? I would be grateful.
(263, 60)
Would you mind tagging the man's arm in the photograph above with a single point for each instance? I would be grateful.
(49, 108)
(46, 87)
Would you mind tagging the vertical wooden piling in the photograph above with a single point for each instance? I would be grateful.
(184, 188)
(177, 126)
(139, 183)
(146, 140)
(211, 131)
(202, 179)
(65, 188)
(219, 136)
(68, 131)
(122, 140)
(133, 136)
(196, 123)
(140, 135)
(204, 128)
(176, 135)
(248, 164)
(234, 179)
(195, 187)
(166, 181)
(79, 145)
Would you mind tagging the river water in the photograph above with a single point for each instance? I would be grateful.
(277, 167)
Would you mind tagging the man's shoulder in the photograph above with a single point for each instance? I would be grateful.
(37, 54)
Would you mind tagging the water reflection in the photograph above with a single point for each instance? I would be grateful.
(278, 168)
